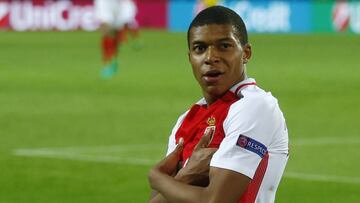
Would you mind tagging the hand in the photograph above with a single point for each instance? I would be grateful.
(196, 171)
(169, 165)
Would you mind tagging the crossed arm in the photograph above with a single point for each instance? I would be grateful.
(223, 185)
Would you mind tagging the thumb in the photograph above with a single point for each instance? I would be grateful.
(180, 146)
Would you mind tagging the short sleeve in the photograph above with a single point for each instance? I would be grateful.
(249, 128)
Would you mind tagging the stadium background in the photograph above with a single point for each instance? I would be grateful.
(68, 136)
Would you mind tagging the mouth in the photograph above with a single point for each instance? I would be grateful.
(212, 76)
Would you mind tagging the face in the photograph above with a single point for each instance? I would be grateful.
(217, 59)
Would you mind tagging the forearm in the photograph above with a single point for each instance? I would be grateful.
(224, 186)
(157, 197)
(174, 191)
(191, 183)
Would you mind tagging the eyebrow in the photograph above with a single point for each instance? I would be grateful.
(218, 40)
(197, 42)
(225, 39)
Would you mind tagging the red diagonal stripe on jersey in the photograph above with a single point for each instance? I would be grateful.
(252, 190)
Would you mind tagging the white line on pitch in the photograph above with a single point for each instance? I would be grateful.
(353, 140)
(79, 155)
(148, 162)
(323, 178)
(94, 149)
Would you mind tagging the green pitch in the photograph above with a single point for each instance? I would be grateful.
(68, 136)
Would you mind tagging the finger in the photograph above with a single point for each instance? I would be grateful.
(180, 146)
(205, 139)
(176, 153)
(169, 164)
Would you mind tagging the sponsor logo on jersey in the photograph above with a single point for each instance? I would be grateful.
(251, 145)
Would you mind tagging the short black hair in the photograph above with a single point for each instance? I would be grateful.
(223, 16)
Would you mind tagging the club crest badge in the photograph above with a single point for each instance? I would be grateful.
(210, 130)
(211, 121)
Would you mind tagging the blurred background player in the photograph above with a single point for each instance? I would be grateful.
(117, 18)
(202, 4)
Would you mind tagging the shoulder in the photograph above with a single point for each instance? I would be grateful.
(182, 117)
(254, 102)
(256, 114)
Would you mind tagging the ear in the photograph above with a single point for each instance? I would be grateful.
(247, 52)
(189, 56)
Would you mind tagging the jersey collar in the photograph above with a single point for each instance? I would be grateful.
(234, 89)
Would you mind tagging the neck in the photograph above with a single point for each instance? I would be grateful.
(211, 98)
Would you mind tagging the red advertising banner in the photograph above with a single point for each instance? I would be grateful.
(152, 13)
(65, 15)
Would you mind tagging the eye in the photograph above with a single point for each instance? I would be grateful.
(199, 48)
(225, 45)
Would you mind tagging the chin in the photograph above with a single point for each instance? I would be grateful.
(215, 91)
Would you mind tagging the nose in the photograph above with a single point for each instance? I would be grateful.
(212, 56)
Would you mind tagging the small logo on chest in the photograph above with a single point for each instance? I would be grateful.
(211, 121)
(210, 130)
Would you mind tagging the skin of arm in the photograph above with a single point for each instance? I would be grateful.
(224, 186)
(196, 171)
